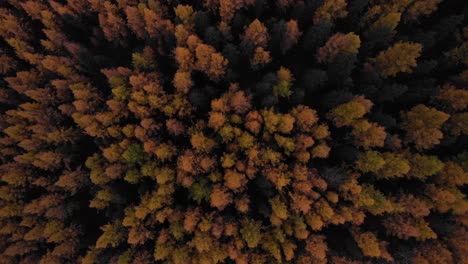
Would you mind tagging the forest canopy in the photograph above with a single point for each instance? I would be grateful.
(233, 131)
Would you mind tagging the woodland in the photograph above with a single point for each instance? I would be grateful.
(233, 131)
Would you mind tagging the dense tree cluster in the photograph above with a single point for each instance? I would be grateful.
(233, 131)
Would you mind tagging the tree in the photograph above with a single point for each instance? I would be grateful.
(458, 54)
(72, 180)
(261, 57)
(388, 21)
(217, 66)
(373, 201)
(257, 33)
(182, 81)
(133, 154)
(285, 143)
(220, 197)
(270, 119)
(317, 247)
(111, 23)
(421, 8)
(424, 166)
(415, 206)
(239, 102)
(202, 143)
(135, 20)
(300, 203)
(405, 227)
(406, 52)
(234, 180)
(293, 34)
(395, 166)
(433, 253)
(339, 43)
(143, 61)
(185, 13)
(246, 140)
(33, 9)
(112, 236)
(346, 114)
(182, 34)
(321, 151)
(184, 58)
(455, 98)
(459, 124)
(279, 208)
(371, 135)
(370, 161)
(330, 10)
(47, 160)
(422, 125)
(286, 123)
(251, 232)
(453, 175)
(253, 122)
(305, 117)
(368, 244)
(284, 84)
(155, 25)
(195, 126)
(216, 120)
(210, 62)
(228, 8)
(243, 204)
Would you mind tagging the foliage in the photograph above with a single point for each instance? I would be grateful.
(233, 131)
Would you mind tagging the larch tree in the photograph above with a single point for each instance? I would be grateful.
(339, 44)
(257, 33)
(401, 57)
(422, 125)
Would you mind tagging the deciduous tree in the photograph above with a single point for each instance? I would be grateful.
(422, 125)
(406, 52)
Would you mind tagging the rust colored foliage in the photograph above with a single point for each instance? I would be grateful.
(293, 34)
(260, 57)
(233, 131)
(257, 33)
(209, 61)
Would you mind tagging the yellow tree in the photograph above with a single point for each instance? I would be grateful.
(293, 34)
(401, 57)
(422, 125)
(346, 114)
